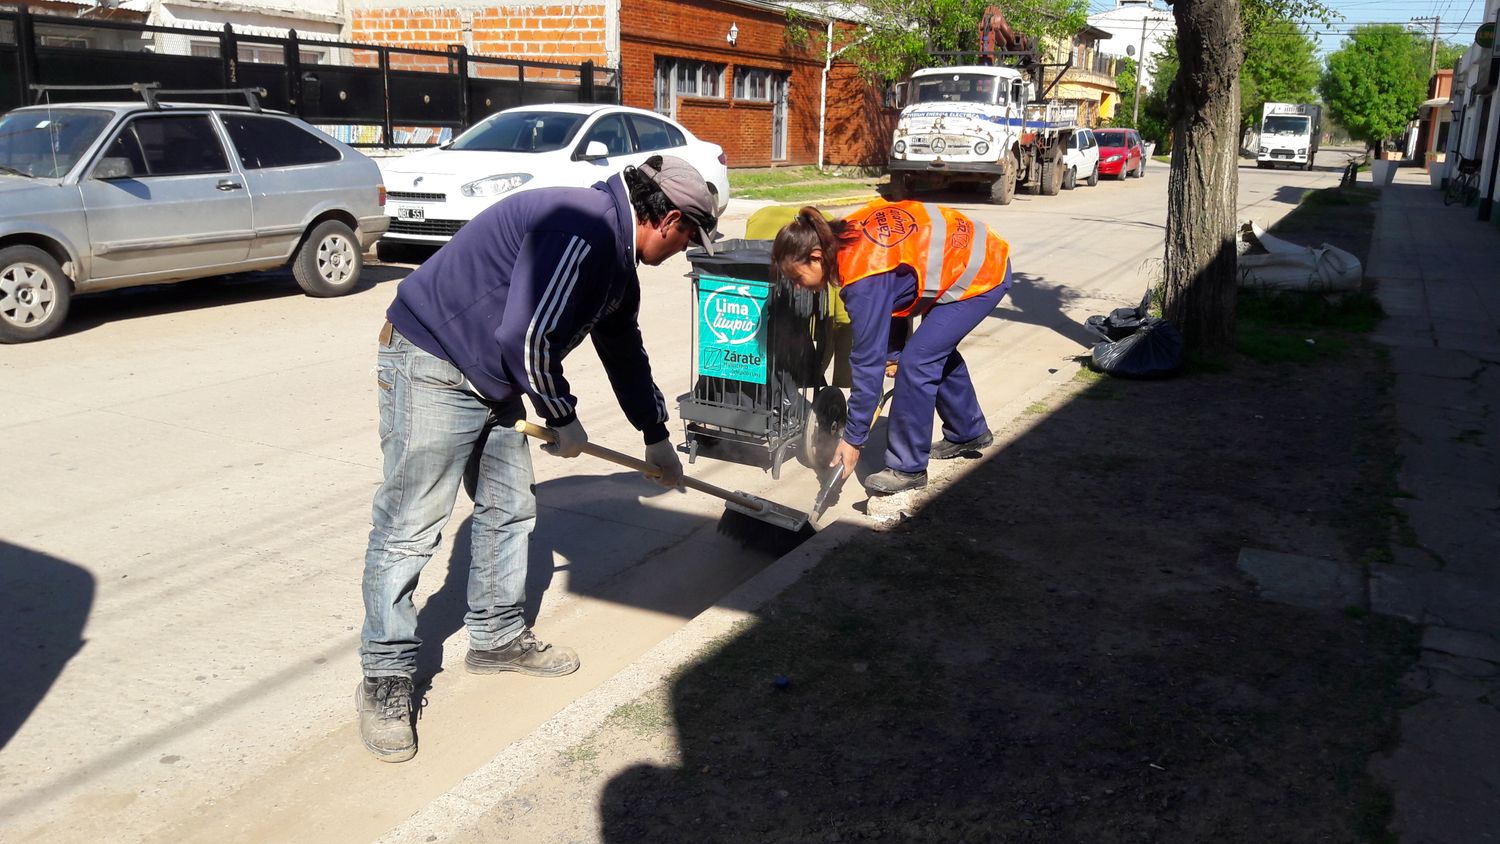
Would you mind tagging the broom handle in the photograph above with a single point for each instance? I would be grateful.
(599, 451)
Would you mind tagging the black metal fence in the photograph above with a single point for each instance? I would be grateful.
(370, 95)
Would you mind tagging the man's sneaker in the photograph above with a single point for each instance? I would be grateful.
(892, 481)
(947, 449)
(526, 655)
(384, 705)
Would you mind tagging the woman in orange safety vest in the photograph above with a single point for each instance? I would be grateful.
(891, 261)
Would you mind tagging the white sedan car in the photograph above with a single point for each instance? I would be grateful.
(433, 193)
(1081, 159)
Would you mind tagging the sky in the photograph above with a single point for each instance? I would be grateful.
(1457, 18)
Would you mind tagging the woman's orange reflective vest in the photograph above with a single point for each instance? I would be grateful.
(954, 257)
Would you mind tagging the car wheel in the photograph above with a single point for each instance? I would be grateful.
(328, 262)
(1070, 179)
(1094, 177)
(34, 294)
(1140, 170)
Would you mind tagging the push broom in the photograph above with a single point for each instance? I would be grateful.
(747, 518)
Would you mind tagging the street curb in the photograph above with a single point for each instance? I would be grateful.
(461, 806)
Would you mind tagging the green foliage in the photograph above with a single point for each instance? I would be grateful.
(1449, 53)
(1375, 82)
(1151, 119)
(1281, 66)
(899, 36)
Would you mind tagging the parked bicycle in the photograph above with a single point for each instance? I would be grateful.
(1463, 186)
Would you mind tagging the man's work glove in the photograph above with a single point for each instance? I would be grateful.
(571, 438)
(663, 457)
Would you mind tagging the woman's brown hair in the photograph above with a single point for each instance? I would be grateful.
(797, 239)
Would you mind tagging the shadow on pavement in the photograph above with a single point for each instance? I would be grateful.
(1034, 300)
(95, 309)
(1060, 647)
(581, 521)
(44, 605)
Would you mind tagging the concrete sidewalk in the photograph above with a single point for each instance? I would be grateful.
(1438, 275)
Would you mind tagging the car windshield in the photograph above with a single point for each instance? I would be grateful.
(521, 131)
(956, 88)
(1110, 139)
(46, 143)
(1286, 125)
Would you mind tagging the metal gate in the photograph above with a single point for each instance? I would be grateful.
(368, 95)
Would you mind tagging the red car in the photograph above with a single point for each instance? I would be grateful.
(1121, 153)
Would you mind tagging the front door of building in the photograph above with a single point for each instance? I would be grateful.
(778, 116)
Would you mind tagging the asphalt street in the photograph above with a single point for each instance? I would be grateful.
(190, 471)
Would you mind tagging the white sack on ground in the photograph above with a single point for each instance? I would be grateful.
(1286, 266)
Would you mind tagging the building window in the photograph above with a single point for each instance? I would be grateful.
(684, 78)
(258, 53)
(63, 41)
(752, 83)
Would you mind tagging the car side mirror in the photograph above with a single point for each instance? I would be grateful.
(116, 167)
(593, 151)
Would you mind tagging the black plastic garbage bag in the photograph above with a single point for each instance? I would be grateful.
(1121, 322)
(1136, 345)
(1153, 351)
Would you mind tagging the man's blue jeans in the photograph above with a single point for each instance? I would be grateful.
(430, 426)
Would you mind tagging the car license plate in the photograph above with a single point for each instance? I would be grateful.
(414, 214)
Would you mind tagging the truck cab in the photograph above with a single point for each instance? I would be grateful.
(1289, 134)
(977, 124)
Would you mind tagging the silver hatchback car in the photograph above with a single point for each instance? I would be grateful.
(98, 196)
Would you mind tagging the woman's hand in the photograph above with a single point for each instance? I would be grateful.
(846, 456)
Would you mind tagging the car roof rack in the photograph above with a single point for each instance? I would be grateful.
(151, 92)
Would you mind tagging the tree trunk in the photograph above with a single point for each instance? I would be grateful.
(1202, 191)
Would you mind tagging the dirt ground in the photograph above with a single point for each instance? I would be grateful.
(1058, 648)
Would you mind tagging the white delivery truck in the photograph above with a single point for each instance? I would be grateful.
(984, 124)
(1289, 134)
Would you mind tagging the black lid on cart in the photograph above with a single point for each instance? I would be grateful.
(737, 258)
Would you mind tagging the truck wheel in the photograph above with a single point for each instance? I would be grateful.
(1070, 179)
(34, 294)
(1051, 179)
(1094, 177)
(329, 261)
(903, 187)
(1003, 189)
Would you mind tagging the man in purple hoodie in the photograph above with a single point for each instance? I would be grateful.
(485, 321)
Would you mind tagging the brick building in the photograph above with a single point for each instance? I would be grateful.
(728, 71)
(723, 68)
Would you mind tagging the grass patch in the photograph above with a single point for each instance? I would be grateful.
(582, 758)
(1268, 345)
(1036, 407)
(643, 719)
(1353, 312)
(807, 191)
(1333, 197)
(772, 177)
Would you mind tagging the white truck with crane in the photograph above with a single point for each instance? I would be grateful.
(988, 122)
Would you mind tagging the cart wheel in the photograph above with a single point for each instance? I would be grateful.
(825, 424)
(692, 446)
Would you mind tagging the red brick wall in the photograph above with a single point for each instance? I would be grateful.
(564, 33)
(697, 30)
(859, 126)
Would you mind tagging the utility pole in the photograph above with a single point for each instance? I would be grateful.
(1140, 65)
(1432, 60)
(1140, 70)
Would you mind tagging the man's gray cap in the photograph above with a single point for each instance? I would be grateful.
(687, 189)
